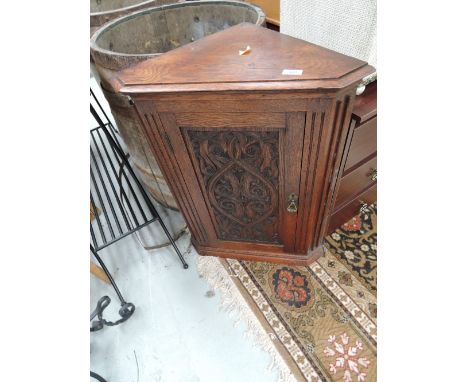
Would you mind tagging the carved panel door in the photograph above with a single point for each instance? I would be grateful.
(239, 171)
(243, 171)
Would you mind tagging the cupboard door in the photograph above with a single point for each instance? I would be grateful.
(247, 166)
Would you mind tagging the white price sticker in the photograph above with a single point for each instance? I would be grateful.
(292, 72)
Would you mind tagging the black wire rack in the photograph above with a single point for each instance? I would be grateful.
(115, 197)
(120, 207)
(120, 204)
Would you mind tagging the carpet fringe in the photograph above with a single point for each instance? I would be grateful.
(235, 305)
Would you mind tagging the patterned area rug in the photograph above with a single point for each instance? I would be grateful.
(320, 319)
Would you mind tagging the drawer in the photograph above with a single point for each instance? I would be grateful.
(351, 209)
(355, 182)
(363, 144)
(365, 105)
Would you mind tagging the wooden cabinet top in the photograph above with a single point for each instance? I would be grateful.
(275, 62)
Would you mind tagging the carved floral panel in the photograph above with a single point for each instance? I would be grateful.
(240, 175)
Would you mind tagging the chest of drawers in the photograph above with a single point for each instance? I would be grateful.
(358, 185)
(249, 127)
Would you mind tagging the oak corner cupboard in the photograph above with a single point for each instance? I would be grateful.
(249, 127)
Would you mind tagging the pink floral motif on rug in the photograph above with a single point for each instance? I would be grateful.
(321, 319)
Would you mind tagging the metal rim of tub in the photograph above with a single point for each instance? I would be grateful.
(99, 18)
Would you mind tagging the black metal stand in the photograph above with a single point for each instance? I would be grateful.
(120, 205)
(110, 166)
(115, 189)
(97, 377)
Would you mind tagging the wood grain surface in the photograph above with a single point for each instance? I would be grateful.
(215, 60)
(234, 155)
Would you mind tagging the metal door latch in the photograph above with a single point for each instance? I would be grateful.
(292, 203)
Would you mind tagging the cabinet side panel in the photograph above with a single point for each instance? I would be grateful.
(327, 126)
(188, 178)
(317, 131)
(334, 153)
(163, 152)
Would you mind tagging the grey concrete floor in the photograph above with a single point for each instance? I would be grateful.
(178, 331)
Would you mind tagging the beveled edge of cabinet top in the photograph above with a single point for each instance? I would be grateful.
(214, 63)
